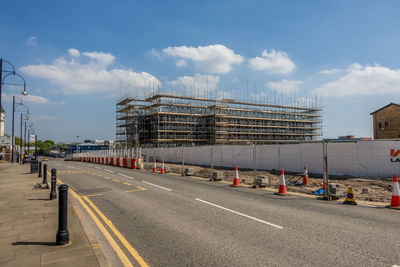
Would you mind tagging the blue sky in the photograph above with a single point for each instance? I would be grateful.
(77, 55)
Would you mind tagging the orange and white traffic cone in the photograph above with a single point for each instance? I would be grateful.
(282, 185)
(324, 179)
(395, 203)
(236, 178)
(306, 182)
(154, 166)
(162, 168)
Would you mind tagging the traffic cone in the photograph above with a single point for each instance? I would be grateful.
(236, 178)
(154, 166)
(134, 164)
(162, 168)
(282, 185)
(350, 198)
(395, 203)
(324, 179)
(306, 182)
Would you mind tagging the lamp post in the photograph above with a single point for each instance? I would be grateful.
(1, 74)
(24, 93)
(32, 131)
(24, 140)
(15, 105)
(29, 126)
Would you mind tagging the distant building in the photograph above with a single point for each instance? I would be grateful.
(346, 138)
(351, 137)
(100, 142)
(386, 122)
(85, 147)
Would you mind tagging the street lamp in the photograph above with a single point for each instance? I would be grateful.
(30, 125)
(15, 106)
(30, 130)
(24, 93)
(9, 72)
(33, 131)
(23, 119)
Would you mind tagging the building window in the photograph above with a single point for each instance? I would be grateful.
(379, 125)
(386, 124)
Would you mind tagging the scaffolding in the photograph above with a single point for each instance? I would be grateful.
(171, 120)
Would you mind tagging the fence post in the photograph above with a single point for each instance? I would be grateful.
(254, 161)
(211, 162)
(327, 195)
(183, 161)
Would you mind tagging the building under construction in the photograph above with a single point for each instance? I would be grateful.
(170, 120)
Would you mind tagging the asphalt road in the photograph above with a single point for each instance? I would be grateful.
(180, 221)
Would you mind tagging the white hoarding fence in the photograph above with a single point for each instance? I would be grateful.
(357, 158)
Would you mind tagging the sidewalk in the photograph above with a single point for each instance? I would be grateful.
(29, 221)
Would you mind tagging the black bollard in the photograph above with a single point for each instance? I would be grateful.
(40, 169)
(44, 174)
(53, 193)
(62, 237)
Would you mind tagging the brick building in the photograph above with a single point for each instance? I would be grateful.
(386, 122)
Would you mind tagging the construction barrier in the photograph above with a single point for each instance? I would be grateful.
(125, 162)
(376, 158)
(133, 163)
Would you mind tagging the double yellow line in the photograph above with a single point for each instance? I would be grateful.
(124, 259)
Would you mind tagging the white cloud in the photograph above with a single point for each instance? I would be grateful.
(88, 74)
(74, 52)
(285, 86)
(203, 83)
(31, 41)
(274, 62)
(180, 63)
(154, 53)
(35, 99)
(210, 59)
(330, 71)
(363, 80)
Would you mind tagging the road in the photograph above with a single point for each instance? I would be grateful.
(170, 220)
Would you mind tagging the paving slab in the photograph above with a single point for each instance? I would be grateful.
(29, 221)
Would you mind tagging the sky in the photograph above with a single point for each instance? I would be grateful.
(79, 57)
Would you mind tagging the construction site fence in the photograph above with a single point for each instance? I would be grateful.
(357, 158)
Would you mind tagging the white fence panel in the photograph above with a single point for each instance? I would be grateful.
(311, 155)
(268, 157)
(342, 158)
(361, 158)
(375, 159)
(290, 157)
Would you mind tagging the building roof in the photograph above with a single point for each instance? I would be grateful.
(385, 107)
(2, 110)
